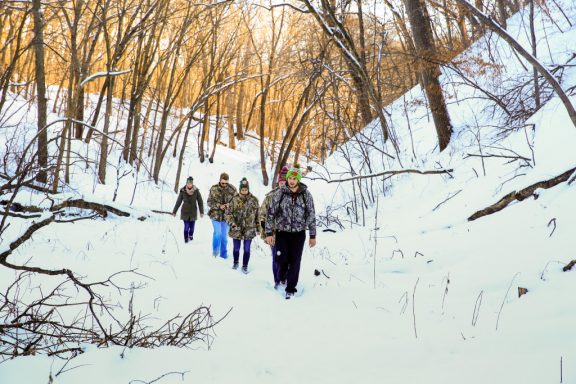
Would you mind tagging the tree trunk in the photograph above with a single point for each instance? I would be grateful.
(104, 144)
(241, 97)
(534, 53)
(422, 32)
(205, 130)
(41, 92)
(502, 13)
(182, 152)
(230, 119)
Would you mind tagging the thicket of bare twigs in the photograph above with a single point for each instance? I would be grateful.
(58, 311)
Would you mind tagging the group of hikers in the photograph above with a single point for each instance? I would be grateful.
(281, 220)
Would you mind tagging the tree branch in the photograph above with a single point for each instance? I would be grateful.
(391, 173)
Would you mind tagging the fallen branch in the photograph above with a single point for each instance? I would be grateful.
(391, 173)
(553, 221)
(522, 194)
(569, 266)
(102, 209)
(158, 378)
(499, 156)
(162, 212)
(450, 196)
(27, 235)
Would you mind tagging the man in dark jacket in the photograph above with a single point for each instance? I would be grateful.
(190, 198)
(291, 212)
(218, 200)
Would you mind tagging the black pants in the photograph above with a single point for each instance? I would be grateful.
(289, 247)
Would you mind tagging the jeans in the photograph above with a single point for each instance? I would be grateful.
(220, 239)
(236, 251)
(189, 229)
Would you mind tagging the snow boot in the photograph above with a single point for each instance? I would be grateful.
(235, 266)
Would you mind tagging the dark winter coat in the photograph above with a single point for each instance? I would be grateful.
(242, 216)
(291, 211)
(189, 202)
(219, 195)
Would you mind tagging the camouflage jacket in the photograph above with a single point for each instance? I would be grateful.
(291, 211)
(264, 210)
(219, 195)
(242, 216)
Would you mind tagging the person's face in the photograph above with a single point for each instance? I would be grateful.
(223, 182)
(292, 182)
(189, 184)
(243, 191)
(281, 183)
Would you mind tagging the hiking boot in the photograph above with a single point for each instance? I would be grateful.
(245, 269)
(235, 266)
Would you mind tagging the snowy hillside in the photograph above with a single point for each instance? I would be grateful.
(417, 295)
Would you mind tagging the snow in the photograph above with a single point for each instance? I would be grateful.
(417, 295)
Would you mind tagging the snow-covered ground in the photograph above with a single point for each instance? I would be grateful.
(419, 295)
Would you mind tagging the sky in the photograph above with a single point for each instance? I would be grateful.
(417, 295)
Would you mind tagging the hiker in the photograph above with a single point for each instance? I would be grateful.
(263, 211)
(218, 200)
(291, 212)
(191, 200)
(242, 216)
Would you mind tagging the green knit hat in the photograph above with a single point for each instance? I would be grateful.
(295, 172)
(244, 184)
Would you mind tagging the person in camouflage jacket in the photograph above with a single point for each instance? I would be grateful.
(242, 216)
(291, 212)
(218, 200)
(263, 211)
(189, 197)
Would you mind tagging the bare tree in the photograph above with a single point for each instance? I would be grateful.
(40, 91)
(429, 68)
(525, 54)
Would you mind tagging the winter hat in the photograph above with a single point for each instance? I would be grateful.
(282, 174)
(295, 172)
(224, 176)
(244, 184)
(190, 179)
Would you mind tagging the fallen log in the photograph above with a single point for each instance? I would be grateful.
(102, 209)
(569, 266)
(522, 194)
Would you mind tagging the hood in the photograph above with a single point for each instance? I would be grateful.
(194, 189)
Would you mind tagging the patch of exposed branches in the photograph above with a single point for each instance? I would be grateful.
(56, 311)
(57, 321)
(519, 98)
